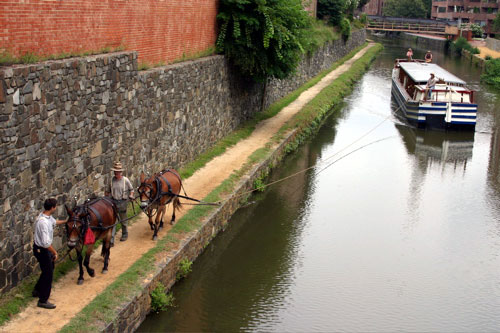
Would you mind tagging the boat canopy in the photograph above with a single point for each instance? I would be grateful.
(421, 71)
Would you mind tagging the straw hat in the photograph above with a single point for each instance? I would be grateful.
(117, 166)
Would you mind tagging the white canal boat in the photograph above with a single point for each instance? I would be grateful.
(449, 106)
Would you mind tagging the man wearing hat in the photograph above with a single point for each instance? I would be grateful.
(431, 83)
(121, 190)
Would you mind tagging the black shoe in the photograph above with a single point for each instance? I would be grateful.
(34, 293)
(46, 305)
(124, 237)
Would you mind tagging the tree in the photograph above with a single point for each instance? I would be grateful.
(476, 29)
(333, 10)
(428, 8)
(362, 3)
(496, 23)
(263, 38)
(404, 8)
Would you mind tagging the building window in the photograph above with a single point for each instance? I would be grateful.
(441, 9)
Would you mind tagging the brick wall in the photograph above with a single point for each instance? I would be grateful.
(159, 30)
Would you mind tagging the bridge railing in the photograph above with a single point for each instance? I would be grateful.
(406, 26)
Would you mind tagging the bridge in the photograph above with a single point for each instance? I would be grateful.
(397, 24)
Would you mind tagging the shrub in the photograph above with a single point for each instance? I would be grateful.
(462, 44)
(491, 74)
(345, 29)
(363, 18)
(160, 300)
(184, 269)
(488, 57)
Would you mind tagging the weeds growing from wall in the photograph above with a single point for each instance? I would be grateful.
(160, 299)
(184, 269)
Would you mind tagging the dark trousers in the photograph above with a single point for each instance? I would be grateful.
(44, 284)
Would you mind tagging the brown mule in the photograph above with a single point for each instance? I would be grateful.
(98, 215)
(156, 192)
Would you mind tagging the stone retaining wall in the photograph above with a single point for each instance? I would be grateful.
(62, 123)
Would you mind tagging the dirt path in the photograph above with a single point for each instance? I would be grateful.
(71, 299)
(488, 52)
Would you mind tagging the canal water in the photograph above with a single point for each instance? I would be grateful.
(402, 234)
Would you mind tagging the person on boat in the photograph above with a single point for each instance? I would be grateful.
(409, 54)
(428, 56)
(431, 83)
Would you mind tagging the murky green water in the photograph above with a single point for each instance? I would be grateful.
(401, 235)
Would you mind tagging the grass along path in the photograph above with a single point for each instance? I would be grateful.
(71, 299)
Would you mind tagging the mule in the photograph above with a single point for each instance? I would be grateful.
(156, 192)
(99, 216)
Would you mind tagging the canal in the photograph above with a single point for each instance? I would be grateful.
(400, 235)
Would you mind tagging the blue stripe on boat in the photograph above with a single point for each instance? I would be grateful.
(431, 109)
(464, 104)
(463, 117)
(463, 110)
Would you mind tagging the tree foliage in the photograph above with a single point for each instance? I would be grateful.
(345, 29)
(492, 73)
(333, 10)
(362, 3)
(263, 37)
(405, 8)
(428, 8)
(476, 29)
(496, 23)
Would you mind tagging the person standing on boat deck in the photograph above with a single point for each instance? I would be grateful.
(409, 54)
(428, 56)
(121, 190)
(431, 83)
(45, 253)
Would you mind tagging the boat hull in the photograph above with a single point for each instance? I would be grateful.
(435, 115)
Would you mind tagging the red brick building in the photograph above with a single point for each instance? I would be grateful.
(481, 12)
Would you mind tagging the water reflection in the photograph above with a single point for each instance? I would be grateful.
(434, 147)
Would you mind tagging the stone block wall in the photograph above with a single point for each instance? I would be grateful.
(63, 123)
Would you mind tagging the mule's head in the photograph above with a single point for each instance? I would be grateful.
(147, 190)
(74, 226)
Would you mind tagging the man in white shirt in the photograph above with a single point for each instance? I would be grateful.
(44, 252)
(121, 190)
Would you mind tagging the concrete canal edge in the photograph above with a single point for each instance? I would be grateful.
(163, 265)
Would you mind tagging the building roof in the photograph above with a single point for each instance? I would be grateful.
(421, 72)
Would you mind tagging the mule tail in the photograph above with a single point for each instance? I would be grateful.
(177, 205)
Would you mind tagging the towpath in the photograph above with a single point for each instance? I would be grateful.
(71, 298)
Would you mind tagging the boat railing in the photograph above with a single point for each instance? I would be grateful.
(440, 95)
(397, 61)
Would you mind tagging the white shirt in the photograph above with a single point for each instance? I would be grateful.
(44, 230)
(431, 83)
(121, 189)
